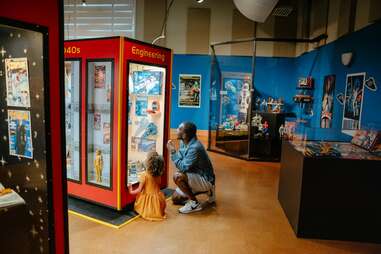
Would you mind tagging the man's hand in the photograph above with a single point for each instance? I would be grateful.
(171, 146)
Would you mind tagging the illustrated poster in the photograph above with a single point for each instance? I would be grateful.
(353, 100)
(147, 82)
(20, 133)
(327, 102)
(17, 82)
(141, 105)
(100, 76)
(189, 91)
(97, 121)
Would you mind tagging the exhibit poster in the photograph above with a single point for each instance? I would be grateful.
(97, 120)
(146, 145)
(141, 105)
(99, 76)
(106, 133)
(17, 82)
(189, 91)
(235, 96)
(20, 133)
(147, 82)
(353, 100)
(327, 101)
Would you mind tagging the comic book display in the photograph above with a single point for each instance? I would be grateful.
(24, 153)
(145, 121)
(99, 140)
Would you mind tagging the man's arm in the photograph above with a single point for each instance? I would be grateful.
(185, 163)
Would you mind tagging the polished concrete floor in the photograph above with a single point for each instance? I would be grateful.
(246, 219)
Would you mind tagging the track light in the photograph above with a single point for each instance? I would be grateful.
(199, 1)
(84, 3)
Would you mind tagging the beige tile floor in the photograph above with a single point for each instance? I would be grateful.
(246, 219)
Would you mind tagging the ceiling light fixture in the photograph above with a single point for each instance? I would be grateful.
(200, 1)
(84, 3)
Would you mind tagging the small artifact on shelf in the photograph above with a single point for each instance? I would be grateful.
(5, 191)
(303, 98)
(306, 83)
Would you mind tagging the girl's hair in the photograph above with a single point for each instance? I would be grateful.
(154, 164)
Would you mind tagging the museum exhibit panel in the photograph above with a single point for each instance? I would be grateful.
(117, 104)
(32, 193)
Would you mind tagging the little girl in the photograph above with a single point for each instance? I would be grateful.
(150, 201)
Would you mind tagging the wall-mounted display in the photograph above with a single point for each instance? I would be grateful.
(20, 133)
(353, 100)
(327, 101)
(72, 118)
(17, 82)
(25, 146)
(100, 76)
(189, 90)
(123, 105)
(370, 83)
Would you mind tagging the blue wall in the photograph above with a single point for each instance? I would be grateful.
(277, 77)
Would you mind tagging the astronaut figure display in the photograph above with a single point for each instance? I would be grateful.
(98, 165)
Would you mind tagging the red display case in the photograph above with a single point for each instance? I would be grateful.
(117, 98)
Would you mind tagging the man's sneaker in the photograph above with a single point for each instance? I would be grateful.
(212, 195)
(190, 207)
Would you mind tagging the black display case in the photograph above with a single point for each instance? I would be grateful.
(331, 197)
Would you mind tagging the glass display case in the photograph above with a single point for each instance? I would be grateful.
(72, 118)
(242, 123)
(99, 119)
(123, 97)
(145, 119)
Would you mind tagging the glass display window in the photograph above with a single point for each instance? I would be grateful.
(72, 119)
(145, 116)
(99, 122)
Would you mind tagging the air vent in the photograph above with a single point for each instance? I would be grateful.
(282, 11)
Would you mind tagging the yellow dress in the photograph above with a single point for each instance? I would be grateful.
(150, 202)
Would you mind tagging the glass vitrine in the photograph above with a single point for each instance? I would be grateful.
(145, 115)
(72, 118)
(99, 121)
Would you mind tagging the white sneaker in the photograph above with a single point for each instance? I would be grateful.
(190, 207)
(212, 195)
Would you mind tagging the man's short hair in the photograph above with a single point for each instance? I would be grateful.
(190, 129)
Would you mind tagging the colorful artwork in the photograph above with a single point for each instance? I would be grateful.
(17, 82)
(141, 105)
(321, 149)
(327, 102)
(353, 101)
(20, 133)
(190, 91)
(366, 139)
(235, 96)
(106, 133)
(97, 121)
(147, 82)
(99, 76)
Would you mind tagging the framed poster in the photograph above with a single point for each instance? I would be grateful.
(99, 76)
(327, 101)
(20, 133)
(17, 82)
(353, 100)
(189, 91)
